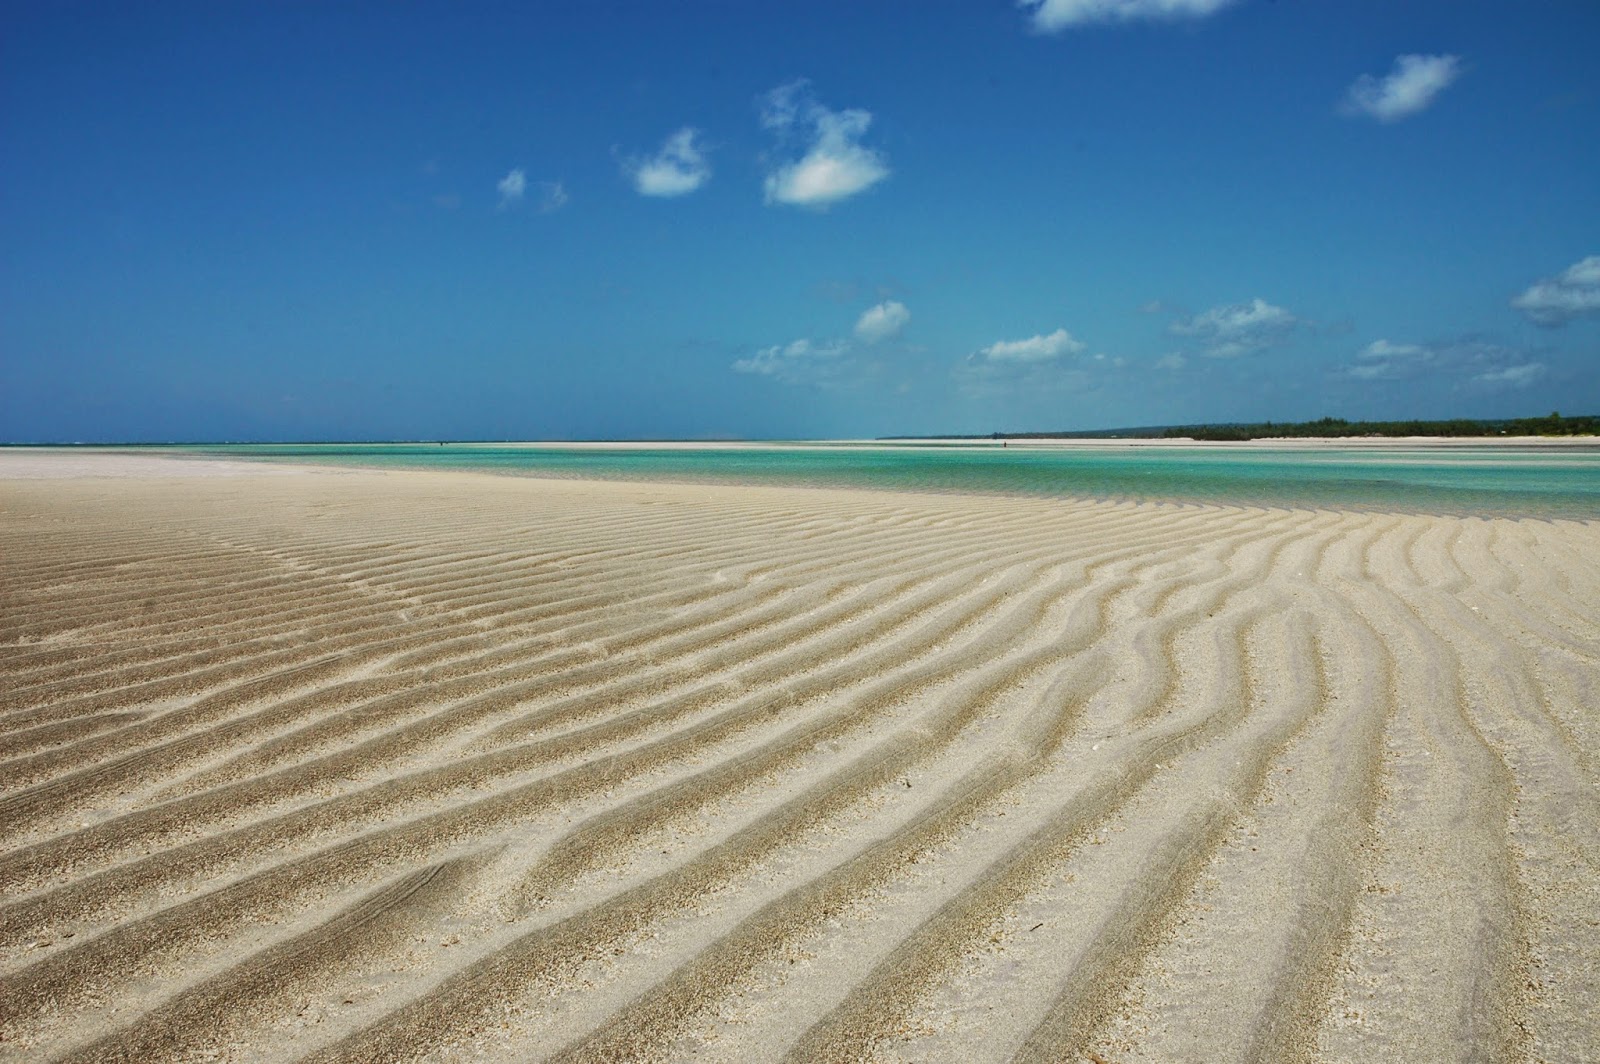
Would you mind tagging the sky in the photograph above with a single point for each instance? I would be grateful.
(767, 220)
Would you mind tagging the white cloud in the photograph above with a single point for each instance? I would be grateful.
(1030, 367)
(834, 164)
(1053, 16)
(1238, 328)
(552, 196)
(1033, 349)
(1575, 293)
(512, 187)
(882, 321)
(677, 169)
(1385, 349)
(1174, 361)
(785, 105)
(791, 362)
(1387, 360)
(1470, 360)
(1519, 376)
(1413, 84)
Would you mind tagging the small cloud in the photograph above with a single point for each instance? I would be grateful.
(1470, 360)
(1238, 328)
(1053, 16)
(1519, 376)
(1513, 376)
(552, 196)
(1386, 360)
(785, 105)
(834, 165)
(1033, 349)
(677, 169)
(512, 188)
(797, 361)
(1025, 367)
(1574, 293)
(1385, 349)
(1413, 84)
(882, 321)
(1174, 361)
(447, 201)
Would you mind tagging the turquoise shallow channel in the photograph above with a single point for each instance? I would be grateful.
(1555, 480)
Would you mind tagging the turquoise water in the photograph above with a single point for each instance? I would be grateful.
(1553, 481)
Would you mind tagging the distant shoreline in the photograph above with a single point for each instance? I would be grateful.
(1562, 441)
(1552, 425)
(194, 452)
(1324, 430)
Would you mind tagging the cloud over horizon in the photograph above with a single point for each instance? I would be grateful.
(882, 321)
(1573, 293)
(794, 362)
(1518, 376)
(1236, 329)
(1411, 87)
(1033, 366)
(1472, 361)
(1040, 348)
(677, 169)
(1053, 16)
(833, 165)
(1385, 360)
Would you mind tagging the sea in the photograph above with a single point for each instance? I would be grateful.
(1556, 480)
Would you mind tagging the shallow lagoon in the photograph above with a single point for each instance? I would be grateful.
(1558, 480)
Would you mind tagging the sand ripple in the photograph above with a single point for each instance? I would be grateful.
(381, 767)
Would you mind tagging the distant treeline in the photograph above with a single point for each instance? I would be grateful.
(1551, 425)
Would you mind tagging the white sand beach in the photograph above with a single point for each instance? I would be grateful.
(379, 766)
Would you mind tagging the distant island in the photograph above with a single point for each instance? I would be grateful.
(1552, 424)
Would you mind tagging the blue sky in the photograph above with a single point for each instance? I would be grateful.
(756, 219)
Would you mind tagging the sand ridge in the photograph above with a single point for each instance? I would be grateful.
(393, 766)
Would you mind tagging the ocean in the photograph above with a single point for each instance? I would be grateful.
(1558, 480)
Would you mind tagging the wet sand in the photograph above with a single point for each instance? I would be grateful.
(345, 765)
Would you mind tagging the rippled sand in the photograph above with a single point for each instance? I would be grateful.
(394, 766)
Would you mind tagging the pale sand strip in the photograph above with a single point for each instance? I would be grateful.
(382, 766)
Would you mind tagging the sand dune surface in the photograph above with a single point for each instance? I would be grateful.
(388, 766)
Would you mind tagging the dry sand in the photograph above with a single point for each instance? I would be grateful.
(395, 766)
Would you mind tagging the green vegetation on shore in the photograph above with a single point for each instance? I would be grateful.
(1552, 424)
